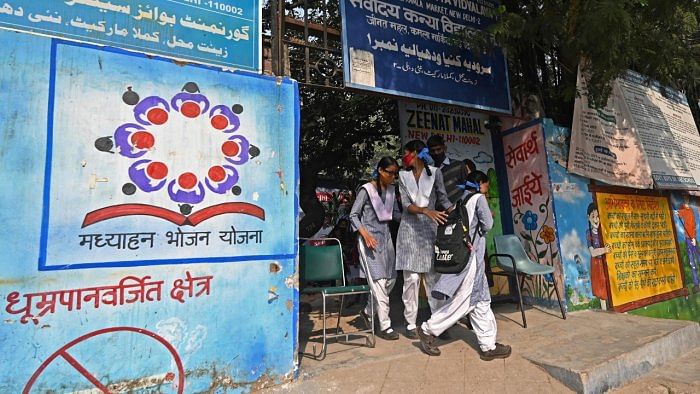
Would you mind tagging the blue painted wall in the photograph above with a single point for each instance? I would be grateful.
(168, 316)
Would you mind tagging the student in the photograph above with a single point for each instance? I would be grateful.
(421, 188)
(374, 208)
(468, 292)
(454, 172)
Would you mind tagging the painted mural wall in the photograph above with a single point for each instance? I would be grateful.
(587, 281)
(142, 247)
(531, 203)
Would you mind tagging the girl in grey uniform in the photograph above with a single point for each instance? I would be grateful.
(421, 188)
(468, 291)
(374, 207)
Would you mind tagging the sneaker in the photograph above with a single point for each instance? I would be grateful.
(389, 334)
(427, 343)
(696, 289)
(500, 351)
(411, 334)
(365, 318)
(466, 322)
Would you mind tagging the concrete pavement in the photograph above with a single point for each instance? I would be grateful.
(582, 345)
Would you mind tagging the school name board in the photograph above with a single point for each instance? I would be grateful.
(403, 47)
(215, 32)
(643, 260)
(645, 137)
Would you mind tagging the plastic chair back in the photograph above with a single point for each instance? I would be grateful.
(321, 263)
(510, 245)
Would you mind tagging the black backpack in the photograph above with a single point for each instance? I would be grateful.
(451, 251)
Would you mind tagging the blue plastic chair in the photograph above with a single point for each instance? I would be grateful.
(512, 259)
(325, 264)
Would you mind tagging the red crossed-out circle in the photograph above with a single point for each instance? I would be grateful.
(63, 352)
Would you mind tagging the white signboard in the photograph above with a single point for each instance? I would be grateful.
(645, 137)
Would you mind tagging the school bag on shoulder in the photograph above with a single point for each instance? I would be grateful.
(452, 252)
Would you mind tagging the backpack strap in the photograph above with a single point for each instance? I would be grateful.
(464, 215)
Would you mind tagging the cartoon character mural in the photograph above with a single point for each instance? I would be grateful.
(687, 215)
(598, 250)
(584, 254)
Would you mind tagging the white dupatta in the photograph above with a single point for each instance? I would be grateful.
(419, 192)
(383, 209)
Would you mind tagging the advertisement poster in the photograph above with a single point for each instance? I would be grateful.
(223, 33)
(641, 253)
(403, 48)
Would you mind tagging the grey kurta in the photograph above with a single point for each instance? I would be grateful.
(448, 284)
(382, 260)
(415, 242)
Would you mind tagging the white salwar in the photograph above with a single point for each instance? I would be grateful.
(411, 291)
(380, 289)
(481, 316)
(467, 292)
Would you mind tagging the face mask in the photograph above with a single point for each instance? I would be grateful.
(407, 159)
(439, 158)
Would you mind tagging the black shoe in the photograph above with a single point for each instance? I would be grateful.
(445, 336)
(388, 334)
(467, 322)
(427, 343)
(411, 334)
(365, 318)
(500, 351)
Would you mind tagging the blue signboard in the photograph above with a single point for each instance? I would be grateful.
(224, 33)
(402, 47)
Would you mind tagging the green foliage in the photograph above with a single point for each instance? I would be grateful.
(341, 131)
(545, 39)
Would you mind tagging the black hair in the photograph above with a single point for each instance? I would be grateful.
(477, 177)
(471, 167)
(435, 140)
(591, 207)
(384, 163)
(416, 146)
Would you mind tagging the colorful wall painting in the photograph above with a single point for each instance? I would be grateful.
(572, 201)
(223, 33)
(199, 306)
(635, 233)
(532, 206)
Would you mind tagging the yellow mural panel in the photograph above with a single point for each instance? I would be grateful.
(639, 241)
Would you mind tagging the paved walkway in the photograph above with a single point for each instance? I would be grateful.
(400, 366)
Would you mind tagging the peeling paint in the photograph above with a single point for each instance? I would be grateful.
(292, 281)
(275, 267)
(223, 383)
(290, 305)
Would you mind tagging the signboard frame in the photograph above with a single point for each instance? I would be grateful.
(682, 292)
(507, 109)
